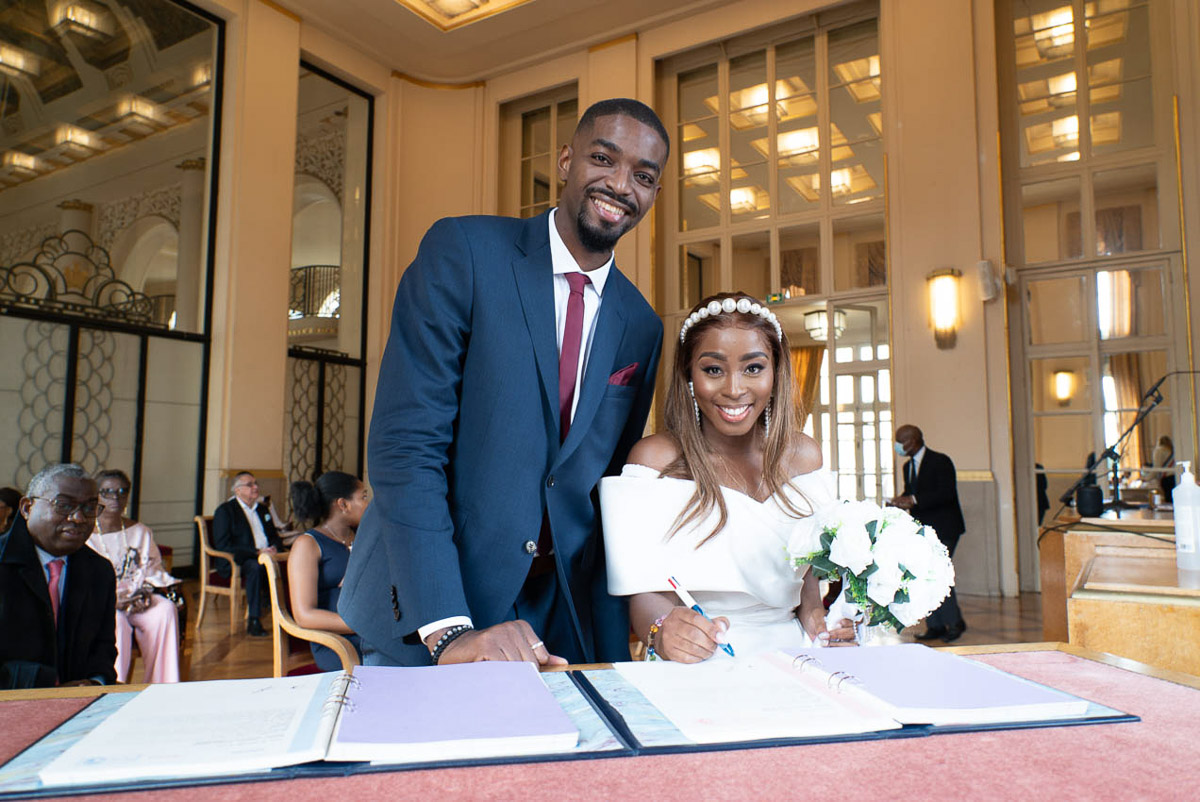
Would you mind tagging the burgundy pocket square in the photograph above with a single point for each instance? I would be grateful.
(624, 376)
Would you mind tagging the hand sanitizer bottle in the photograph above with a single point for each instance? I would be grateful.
(1186, 500)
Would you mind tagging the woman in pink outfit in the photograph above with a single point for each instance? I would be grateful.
(130, 547)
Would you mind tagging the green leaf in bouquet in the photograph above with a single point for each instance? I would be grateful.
(882, 615)
(870, 569)
(906, 575)
(871, 527)
(901, 596)
(827, 536)
(822, 564)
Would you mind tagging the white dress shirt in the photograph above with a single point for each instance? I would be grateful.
(256, 527)
(562, 262)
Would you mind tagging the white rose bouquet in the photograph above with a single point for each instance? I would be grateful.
(892, 568)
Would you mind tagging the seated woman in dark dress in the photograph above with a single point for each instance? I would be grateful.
(334, 504)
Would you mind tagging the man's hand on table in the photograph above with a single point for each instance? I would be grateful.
(508, 641)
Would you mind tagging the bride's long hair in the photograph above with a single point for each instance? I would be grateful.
(695, 458)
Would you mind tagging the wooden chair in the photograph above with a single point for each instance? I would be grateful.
(211, 582)
(284, 627)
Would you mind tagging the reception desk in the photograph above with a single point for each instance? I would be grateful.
(1134, 602)
(1068, 546)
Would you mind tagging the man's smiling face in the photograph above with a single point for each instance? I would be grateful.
(612, 175)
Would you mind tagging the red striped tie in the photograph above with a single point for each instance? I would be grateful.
(568, 358)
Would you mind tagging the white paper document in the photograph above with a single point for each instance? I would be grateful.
(747, 699)
(205, 729)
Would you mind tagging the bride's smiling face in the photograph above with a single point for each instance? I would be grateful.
(732, 377)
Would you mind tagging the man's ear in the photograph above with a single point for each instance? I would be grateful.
(564, 162)
(23, 507)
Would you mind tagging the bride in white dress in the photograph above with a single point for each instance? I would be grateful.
(713, 500)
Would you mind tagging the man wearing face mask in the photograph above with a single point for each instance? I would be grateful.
(931, 496)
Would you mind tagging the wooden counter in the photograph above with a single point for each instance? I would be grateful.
(1067, 546)
(1134, 602)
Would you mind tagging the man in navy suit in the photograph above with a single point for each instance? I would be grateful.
(931, 496)
(243, 526)
(519, 370)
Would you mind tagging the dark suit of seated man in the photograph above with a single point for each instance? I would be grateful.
(57, 599)
(244, 527)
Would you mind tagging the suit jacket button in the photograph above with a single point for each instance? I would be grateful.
(530, 547)
(550, 480)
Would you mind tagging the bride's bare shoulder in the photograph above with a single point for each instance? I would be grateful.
(805, 457)
(656, 451)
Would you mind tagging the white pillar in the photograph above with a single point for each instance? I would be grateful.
(354, 204)
(76, 216)
(191, 247)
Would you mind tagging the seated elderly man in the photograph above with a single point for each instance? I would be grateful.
(57, 598)
(245, 527)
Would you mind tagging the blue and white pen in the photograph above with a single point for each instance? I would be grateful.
(687, 599)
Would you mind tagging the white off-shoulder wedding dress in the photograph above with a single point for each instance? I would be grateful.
(742, 573)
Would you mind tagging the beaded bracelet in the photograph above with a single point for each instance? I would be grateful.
(654, 629)
(449, 636)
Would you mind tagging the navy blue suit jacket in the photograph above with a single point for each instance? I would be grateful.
(464, 454)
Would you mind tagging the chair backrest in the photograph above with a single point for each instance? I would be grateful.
(204, 531)
(283, 626)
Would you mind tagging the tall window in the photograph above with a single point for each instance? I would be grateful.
(109, 114)
(777, 190)
(533, 131)
(1089, 187)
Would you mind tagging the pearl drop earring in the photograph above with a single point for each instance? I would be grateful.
(695, 406)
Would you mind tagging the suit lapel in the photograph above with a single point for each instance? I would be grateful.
(534, 274)
(71, 610)
(610, 328)
(21, 552)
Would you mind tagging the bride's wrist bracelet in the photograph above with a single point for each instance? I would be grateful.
(651, 654)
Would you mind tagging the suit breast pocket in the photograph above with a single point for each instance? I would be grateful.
(620, 392)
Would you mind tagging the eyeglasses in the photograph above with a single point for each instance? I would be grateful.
(66, 509)
(114, 492)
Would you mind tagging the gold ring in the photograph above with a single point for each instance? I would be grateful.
(536, 646)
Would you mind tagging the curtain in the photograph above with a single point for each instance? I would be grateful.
(806, 367)
(1126, 375)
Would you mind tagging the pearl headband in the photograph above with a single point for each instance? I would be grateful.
(729, 306)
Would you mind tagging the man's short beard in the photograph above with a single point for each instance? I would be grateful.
(596, 240)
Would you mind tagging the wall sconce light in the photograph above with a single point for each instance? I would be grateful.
(816, 324)
(1064, 386)
(943, 305)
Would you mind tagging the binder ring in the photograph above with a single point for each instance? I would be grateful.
(801, 660)
(840, 676)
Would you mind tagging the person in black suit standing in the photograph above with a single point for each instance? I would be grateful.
(57, 599)
(931, 496)
(246, 528)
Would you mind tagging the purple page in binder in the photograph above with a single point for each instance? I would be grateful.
(915, 677)
(450, 703)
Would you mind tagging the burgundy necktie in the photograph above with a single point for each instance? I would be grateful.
(56, 567)
(568, 358)
(568, 366)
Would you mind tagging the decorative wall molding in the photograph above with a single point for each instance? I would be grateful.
(16, 244)
(113, 218)
(323, 156)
